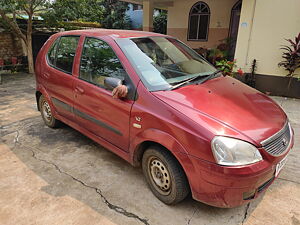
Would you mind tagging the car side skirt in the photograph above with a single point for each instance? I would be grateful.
(124, 155)
(58, 103)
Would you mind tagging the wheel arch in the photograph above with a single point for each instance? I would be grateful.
(168, 143)
(153, 136)
(42, 91)
(140, 149)
(182, 158)
(38, 94)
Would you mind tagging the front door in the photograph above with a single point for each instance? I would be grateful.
(94, 107)
(234, 27)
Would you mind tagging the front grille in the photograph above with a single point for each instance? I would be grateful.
(277, 144)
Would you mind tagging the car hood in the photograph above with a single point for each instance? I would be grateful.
(230, 102)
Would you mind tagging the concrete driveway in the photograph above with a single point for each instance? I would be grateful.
(58, 176)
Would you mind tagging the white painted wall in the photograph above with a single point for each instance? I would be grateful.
(264, 25)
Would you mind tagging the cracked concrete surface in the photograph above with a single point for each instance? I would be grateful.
(116, 208)
(246, 212)
(190, 219)
(58, 176)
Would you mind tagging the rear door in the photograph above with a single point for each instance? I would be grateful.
(59, 74)
(94, 107)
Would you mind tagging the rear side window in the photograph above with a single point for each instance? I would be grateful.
(51, 53)
(99, 61)
(61, 54)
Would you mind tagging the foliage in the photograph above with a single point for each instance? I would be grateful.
(4, 25)
(94, 50)
(63, 13)
(68, 14)
(227, 67)
(114, 15)
(12, 10)
(291, 57)
(220, 58)
(79, 24)
(221, 52)
(214, 55)
(160, 22)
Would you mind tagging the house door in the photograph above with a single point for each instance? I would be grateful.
(37, 43)
(234, 27)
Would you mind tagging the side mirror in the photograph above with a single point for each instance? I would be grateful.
(112, 82)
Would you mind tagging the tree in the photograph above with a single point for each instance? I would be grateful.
(62, 12)
(11, 9)
(160, 22)
(114, 15)
(108, 14)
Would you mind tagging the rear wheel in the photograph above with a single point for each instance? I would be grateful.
(47, 114)
(164, 175)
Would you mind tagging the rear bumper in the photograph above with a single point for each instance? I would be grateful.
(229, 187)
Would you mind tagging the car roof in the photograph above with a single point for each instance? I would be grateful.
(111, 33)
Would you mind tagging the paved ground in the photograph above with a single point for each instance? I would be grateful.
(61, 177)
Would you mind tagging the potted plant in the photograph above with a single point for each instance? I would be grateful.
(291, 58)
(227, 67)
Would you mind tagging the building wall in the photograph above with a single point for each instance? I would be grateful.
(178, 17)
(136, 17)
(264, 25)
(9, 46)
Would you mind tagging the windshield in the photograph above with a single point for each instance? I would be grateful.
(162, 62)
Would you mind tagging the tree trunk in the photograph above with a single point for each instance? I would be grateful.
(29, 9)
(29, 42)
(29, 54)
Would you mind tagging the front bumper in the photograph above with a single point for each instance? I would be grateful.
(228, 187)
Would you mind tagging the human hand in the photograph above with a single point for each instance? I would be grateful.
(120, 91)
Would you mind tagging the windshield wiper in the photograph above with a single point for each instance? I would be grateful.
(207, 77)
(184, 82)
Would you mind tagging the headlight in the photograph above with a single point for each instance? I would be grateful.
(233, 152)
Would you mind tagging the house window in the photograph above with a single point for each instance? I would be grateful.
(199, 22)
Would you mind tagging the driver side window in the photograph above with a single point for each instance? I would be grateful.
(99, 61)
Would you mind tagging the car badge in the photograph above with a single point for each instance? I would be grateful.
(284, 142)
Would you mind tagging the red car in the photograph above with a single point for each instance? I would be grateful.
(190, 128)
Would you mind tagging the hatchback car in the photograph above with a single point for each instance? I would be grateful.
(190, 128)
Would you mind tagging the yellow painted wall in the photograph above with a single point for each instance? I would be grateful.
(264, 25)
(219, 21)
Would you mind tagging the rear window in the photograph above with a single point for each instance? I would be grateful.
(61, 54)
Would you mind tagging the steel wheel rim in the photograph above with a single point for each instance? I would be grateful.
(47, 111)
(159, 175)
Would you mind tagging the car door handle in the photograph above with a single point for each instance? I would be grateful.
(79, 90)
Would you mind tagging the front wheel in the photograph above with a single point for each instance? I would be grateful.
(47, 114)
(164, 175)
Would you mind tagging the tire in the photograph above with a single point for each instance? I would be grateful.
(47, 114)
(164, 175)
